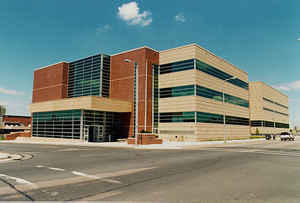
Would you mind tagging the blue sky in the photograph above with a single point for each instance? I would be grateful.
(258, 36)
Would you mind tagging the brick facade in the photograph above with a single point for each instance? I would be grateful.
(122, 85)
(25, 120)
(50, 83)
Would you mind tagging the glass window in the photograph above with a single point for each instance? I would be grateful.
(85, 75)
(177, 117)
(177, 66)
(219, 74)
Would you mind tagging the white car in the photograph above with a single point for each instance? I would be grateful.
(285, 136)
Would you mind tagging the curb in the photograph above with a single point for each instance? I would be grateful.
(4, 156)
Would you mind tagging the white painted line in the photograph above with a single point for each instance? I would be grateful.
(50, 168)
(74, 180)
(111, 181)
(56, 169)
(95, 177)
(84, 175)
(19, 180)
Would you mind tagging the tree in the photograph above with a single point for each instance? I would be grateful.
(257, 131)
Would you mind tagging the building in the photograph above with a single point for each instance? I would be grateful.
(12, 123)
(192, 81)
(17, 121)
(269, 111)
(2, 113)
(182, 94)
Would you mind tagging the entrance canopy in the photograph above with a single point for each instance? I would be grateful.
(94, 103)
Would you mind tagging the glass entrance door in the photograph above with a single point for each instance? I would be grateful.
(94, 133)
(98, 132)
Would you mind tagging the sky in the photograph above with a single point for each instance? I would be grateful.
(258, 36)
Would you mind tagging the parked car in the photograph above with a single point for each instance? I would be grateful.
(284, 136)
(291, 137)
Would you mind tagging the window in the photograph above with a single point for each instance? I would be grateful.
(219, 74)
(186, 90)
(273, 102)
(177, 117)
(177, 66)
(270, 110)
(209, 118)
(189, 90)
(202, 117)
(155, 96)
(256, 123)
(89, 76)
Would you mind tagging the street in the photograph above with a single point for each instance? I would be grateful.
(267, 171)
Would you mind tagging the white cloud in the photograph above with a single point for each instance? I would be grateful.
(130, 13)
(180, 17)
(295, 85)
(104, 28)
(10, 92)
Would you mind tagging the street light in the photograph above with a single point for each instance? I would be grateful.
(224, 122)
(136, 97)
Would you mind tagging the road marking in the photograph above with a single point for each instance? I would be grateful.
(56, 169)
(70, 150)
(101, 196)
(95, 177)
(51, 168)
(19, 180)
(84, 175)
(74, 180)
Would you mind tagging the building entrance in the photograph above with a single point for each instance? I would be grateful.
(93, 133)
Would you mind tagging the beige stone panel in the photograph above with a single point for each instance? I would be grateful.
(177, 131)
(219, 63)
(195, 51)
(177, 79)
(268, 130)
(177, 104)
(211, 131)
(274, 94)
(275, 107)
(255, 101)
(217, 107)
(177, 54)
(270, 116)
(87, 103)
(208, 81)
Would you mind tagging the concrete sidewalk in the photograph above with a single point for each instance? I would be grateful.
(4, 156)
(165, 145)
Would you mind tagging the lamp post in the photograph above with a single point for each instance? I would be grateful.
(136, 98)
(224, 122)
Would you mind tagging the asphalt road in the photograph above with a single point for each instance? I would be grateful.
(256, 172)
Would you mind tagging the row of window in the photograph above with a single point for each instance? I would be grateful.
(202, 117)
(260, 123)
(273, 102)
(67, 124)
(155, 96)
(267, 109)
(201, 66)
(189, 90)
(89, 76)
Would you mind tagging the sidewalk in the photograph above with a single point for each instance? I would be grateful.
(165, 145)
(3, 156)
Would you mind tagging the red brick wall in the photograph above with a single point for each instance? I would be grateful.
(122, 85)
(50, 83)
(17, 119)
